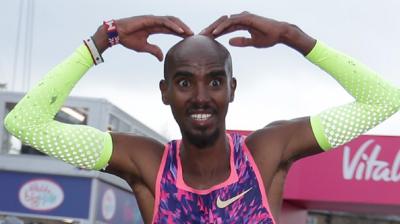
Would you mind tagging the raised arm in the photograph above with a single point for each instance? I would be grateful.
(375, 99)
(32, 119)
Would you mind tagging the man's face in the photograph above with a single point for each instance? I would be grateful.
(199, 88)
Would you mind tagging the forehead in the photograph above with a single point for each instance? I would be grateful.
(198, 63)
(198, 56)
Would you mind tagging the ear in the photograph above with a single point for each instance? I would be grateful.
(233, 88)
(163, 88)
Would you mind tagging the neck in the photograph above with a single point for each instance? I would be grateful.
(205, 162)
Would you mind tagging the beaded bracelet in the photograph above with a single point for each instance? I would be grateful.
(112, 33)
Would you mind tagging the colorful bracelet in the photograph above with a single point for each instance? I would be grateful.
(112, 33)
(96, 57)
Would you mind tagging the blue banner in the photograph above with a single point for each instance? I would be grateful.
(48, 195)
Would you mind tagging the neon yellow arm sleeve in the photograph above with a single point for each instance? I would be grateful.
(375, 99)
(32, 119)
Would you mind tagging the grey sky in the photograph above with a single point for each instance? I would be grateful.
(273, 84)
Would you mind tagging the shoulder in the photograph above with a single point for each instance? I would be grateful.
(136, 157)
(268, 144)
(131, 143)
(272, 134)
(280, 131)
(285, 141)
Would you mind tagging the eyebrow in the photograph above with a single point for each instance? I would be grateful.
(212, 74)
(217, 73)
(179, 74)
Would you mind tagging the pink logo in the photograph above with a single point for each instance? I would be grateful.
(367, 166)
(41, 195)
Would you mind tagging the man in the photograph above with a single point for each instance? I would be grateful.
(208, 176)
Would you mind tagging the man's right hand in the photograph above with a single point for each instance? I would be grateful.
(134, 31)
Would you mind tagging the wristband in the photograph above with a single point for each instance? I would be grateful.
(112, 33)
(96, 57)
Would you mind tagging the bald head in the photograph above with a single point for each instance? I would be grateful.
(197, 50)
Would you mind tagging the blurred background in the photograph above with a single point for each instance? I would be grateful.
(122, 93)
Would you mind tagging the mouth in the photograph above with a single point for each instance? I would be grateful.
(201, 116)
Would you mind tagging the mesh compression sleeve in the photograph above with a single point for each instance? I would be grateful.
(32, 118)
(376, 99)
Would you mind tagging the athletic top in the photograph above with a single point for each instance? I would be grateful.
(239, 199)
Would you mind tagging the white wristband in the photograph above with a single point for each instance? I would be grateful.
(97, 59)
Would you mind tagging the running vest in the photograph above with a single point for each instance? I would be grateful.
(239, 199)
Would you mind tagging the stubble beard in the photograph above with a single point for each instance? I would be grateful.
(202, 140)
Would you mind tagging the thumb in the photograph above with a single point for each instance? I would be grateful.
(241, 42)
(154, 50)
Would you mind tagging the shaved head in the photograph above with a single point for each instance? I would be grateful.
(197, 49)
(198, 82)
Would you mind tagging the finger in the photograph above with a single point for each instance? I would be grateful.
(181, 24)
(235, 22)
(224, 26)
(241, 42)
(167, 26)
(240, 14)
(179, 31)
(161, 30)
(154, 50)
(208, 30)
(233, 28)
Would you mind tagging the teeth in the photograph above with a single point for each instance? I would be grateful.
(200, 117)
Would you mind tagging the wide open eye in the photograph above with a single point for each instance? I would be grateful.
(215, 83)
(184, 83)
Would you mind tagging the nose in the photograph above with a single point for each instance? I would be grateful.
(201, 95)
